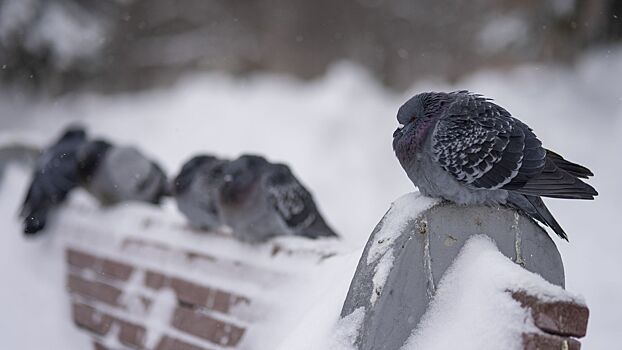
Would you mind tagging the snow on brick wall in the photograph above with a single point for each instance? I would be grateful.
(149, 282)
(98, 284)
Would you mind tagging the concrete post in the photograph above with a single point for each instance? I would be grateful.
(422, 251)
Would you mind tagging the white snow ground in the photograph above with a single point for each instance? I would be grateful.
(336, 133)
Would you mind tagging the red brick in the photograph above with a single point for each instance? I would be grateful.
(131, 334)
(105, 267)
(206, 327)
(559, 317)
(89, 318)
(95, 290)
(193, 294)
(223, 301)
(115, 270)
(533, 341)
(79, 259)
(155, 280)
(168, 343)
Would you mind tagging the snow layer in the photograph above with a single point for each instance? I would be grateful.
(336, 134)
(472, 304)
(34, 305)
(347, 330)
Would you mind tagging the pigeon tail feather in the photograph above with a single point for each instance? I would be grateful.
(535, 208)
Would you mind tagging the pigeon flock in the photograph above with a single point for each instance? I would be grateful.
(253, 197)
(457, 146)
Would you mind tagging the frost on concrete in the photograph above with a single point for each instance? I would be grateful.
(402, 212)
(381, 273)
(473, 306)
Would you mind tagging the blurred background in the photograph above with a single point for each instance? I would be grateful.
(58, 46)
(315, 84)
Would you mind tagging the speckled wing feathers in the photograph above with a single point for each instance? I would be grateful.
(483, 146)
(291, 200)
(480, 144)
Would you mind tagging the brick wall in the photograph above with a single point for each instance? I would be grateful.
(559, 323)
(115, 301)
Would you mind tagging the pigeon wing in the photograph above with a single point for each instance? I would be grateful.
(290, 199)
(56, 175)
(483, 146)
(480, 144)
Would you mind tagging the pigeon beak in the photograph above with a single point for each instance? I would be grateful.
(399, 129)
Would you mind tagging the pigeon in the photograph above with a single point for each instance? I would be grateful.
(196, 191)
(115, 174)
(55, 175)
(462, 147)
(260, 200)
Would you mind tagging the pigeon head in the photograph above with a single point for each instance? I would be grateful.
(190, 169)
(424, 106)
(240, 177)
(73, 133)
(420, 112)
(216, 171)
(90, 156)
(198, 161)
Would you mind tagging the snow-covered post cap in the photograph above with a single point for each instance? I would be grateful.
(409, 251)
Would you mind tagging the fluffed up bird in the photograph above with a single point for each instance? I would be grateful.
(196, 191)
(115, 174)
(55, 175)
(464, 148)
(260, 200)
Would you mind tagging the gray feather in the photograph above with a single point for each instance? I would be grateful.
(196, 191)
(260, 200)
(125, 174)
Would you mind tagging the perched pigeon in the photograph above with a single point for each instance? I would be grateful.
(115, 174)
(462, 147)
(196, 191)
(55, 175)
(260, 200)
